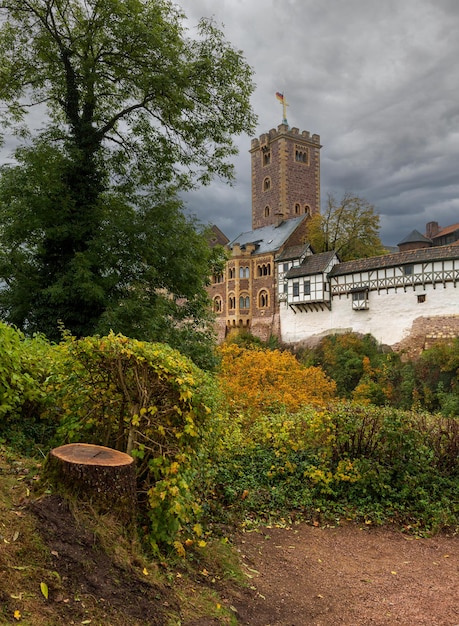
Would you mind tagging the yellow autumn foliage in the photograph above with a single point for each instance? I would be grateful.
(256, 380)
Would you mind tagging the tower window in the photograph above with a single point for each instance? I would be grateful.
(266, 184)
(266, 158)
(302, 155)
(307, 209)
(297, 209)
(267, 211)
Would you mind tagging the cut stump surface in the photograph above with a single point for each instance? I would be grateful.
(89, 454)
(102, 476)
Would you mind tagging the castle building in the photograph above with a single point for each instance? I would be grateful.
(275, 285)
(285, 194)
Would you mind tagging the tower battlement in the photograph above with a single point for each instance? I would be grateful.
(284, 131)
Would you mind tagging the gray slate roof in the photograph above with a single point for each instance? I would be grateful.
(438, 253)
(269, 238)
(315, 264)
(415, 237)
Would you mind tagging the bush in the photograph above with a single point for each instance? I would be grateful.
(363, 462)
(149, 401)
(256, 381)
(25, 364)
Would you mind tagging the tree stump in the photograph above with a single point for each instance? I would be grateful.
(101, 476)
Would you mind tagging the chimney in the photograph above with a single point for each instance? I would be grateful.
(432, 229)
(279, 219)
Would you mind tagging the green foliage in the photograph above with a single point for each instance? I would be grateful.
(92, 233)
(150, 401)
(342, 358)
(24, 366)
(350, 227)
(436, 382)
(364, 462)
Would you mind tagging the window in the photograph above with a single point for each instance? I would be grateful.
(285, 287)
(267, 211)
(302, 155)
(285, 267)
(244, 302)
(243, 272)
(297, 209)
(266, 158)
(232, 302)
(263, 299)
(360, 300)
(307, 209)
(217, 304)
(217, 278)
(408, 270)
(296, 289)
(264, 269)
(421, 298)
(307, 287)
(266, 184)
(232, 272)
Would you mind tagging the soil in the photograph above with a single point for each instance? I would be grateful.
(348, 575)
(299, 576)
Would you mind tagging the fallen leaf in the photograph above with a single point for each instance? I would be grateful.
(44, 589)
(17, 615)
(16, 535)
(145, 571)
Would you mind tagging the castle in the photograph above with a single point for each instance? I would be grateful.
(275, 285)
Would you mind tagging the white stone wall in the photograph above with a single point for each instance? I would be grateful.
(389, 317)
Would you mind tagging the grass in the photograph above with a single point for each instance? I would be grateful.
(34, 565)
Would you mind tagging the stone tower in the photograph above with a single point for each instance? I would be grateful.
(285, 175)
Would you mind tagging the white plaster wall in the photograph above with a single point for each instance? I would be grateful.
(388, 319)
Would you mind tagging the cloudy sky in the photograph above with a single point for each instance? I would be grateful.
(378, 80)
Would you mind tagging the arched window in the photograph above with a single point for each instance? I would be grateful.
(244, 302)
(266, 158)
(232, 302)
(307, 209)
(263, 299)
(266, 184)
(302, 155)
(231, 272)
(297, 209)
(217, 304)
(244, 272)
(267, 211)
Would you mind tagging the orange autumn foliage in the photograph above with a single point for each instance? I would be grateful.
(256, 380)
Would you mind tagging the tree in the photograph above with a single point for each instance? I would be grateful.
(92, 232)
(350, 227)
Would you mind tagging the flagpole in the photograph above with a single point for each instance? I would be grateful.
(281, 97)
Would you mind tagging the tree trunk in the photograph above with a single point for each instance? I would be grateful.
(96, 474)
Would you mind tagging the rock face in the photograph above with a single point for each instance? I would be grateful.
(96, 474)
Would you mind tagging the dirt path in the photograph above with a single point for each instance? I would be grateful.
(349, 576)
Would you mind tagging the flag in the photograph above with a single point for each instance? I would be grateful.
(280, 96)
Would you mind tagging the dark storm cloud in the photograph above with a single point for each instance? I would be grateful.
(377, 80)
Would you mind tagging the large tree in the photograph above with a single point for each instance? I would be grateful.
(133, 110)
(349, 226)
